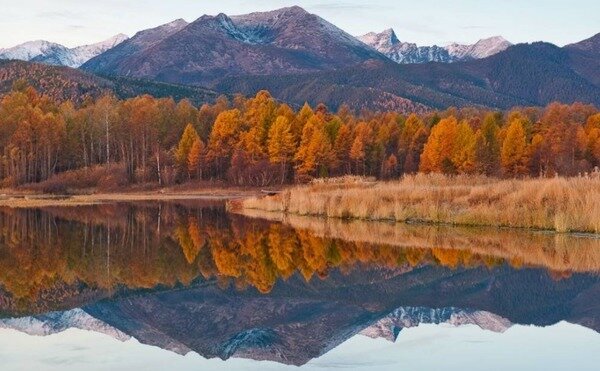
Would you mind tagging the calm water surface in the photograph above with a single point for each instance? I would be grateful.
(189, 286)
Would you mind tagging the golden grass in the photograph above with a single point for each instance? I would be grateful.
(557, 204)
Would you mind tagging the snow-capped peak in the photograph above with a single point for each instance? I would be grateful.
(383, 40)
(387, 43)
(29, 50)
(52, 53)
(108, 43)
(481, 49)
(81, 54)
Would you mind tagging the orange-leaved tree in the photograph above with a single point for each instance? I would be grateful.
(184, 147)
(438, 151)
(195, 158)
(513, 155)
(281, 144)
(224, 138)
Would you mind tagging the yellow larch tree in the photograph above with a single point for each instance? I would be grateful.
(315, 151)
(341, 148)
(223, 138)
(186, 142)
(438, 151)
(358, 151)
(463, 156)
(513, 155)
(195, 158)
(281, 144)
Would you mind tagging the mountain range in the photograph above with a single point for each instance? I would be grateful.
(523, 75)
(300, 57)
(389, 45)
(56, 54)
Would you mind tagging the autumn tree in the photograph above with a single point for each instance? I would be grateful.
(592, 131)
(224, 138)
(105, 117)
(187, 141)
(514, 150)
(304, 114)
(341, 148)
(463, 154)
(33, 132)
(281, 144)
(314, 154)
(487, 146)
(411, 141)
(195, 157)
(139, 136)
(390, 167)
(360, 147)
(438, 151)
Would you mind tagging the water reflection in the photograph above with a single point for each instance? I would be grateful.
(191, 277)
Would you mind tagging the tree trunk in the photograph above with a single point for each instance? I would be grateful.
(158, 167)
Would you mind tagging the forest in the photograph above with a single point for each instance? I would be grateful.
(258, 141)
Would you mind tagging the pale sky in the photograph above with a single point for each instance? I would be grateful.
(426, 22)
(562, 346)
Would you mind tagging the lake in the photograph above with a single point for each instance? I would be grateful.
(187, 285)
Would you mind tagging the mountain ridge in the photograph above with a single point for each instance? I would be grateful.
(69, 84)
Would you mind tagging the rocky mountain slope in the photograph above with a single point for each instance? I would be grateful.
(59, 55)
(288, 40)
(110, 61)
(585, 58)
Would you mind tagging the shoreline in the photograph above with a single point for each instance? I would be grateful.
(34, 200)
(282, 216)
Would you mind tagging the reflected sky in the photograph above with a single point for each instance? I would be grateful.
(558, 347)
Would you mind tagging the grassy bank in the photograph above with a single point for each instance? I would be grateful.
(557, 204)
(42, 200)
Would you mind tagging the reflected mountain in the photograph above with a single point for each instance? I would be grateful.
(191, 277)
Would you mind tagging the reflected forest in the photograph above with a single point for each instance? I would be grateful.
(57, 257)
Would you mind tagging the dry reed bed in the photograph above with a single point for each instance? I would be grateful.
(556, 252)
(557, 204)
